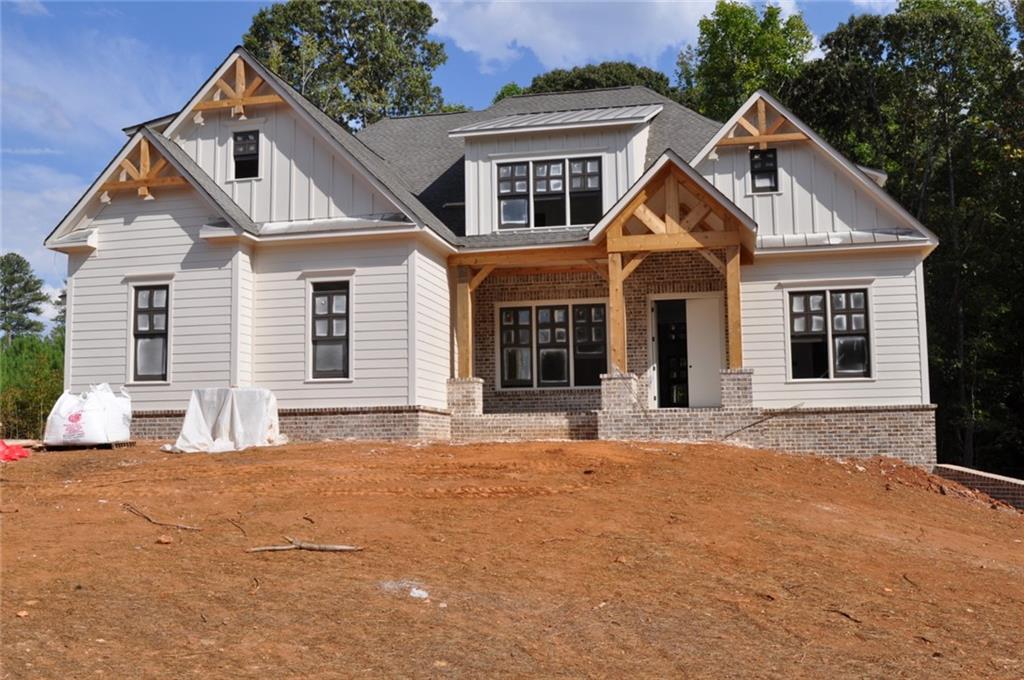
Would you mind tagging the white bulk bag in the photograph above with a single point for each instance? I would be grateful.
(97, 416)
(229, 419)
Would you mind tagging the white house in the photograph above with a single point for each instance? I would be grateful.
(603, 263)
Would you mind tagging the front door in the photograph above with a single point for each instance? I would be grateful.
(688, 343)
(673, 382)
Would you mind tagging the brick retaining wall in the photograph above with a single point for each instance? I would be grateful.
(506, 427)
(1007, 489)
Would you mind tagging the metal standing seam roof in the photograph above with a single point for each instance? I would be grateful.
(596, 117)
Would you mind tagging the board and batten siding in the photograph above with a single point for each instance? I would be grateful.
(431, 329)
(301, 176)
(816, 194)
(158, 237)
(379, 323)
(622, 152)
(896, 317)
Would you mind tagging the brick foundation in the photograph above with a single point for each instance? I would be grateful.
(466, 396)
(493, 427)
(1006, 489)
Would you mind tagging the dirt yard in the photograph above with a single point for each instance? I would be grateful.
(586, 559)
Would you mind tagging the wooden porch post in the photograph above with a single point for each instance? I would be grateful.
(732, 306)
(464, 322)
(617, 312)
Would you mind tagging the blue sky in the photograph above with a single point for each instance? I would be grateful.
(74, 73)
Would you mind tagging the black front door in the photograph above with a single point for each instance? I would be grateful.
(670, 338)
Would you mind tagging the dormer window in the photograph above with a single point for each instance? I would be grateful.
(247, 154)
(764, 170)
(549, 193)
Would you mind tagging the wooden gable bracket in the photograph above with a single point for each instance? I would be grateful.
(760, 133)
(142, 175)
(236, 97)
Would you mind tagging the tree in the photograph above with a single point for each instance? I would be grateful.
(592, 76)
(31, 379)
(739, 52)
(512, 89)
(21, 297)
(60, 302)
(358, 60)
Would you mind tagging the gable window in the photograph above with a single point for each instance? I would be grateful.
(513, 195)
(150, 324)
(549, 193)
(247, 154)
(568, 341)
(330, 332)
(829, 334)
(764, 170)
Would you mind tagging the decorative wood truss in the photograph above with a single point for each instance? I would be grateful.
(671, 212)
(143, 169)
(242, 92)
(759, 126)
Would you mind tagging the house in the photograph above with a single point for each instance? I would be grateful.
(602, 263)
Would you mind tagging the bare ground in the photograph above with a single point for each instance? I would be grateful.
(588, 559)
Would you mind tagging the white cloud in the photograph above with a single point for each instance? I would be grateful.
(564, 34)
(31, 8)
(816, 51)
(50, 307)
(30, 151)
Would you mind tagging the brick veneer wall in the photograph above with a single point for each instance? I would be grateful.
(524, 426)
(391, 423)
(1007, 489)
(682, 272)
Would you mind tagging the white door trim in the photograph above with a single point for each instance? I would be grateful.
(651, 375)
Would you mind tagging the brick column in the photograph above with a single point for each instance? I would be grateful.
(737, 387)
(620, 393)
(466, 396)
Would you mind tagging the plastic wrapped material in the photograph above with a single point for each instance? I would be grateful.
(229, 419)
(95, 417)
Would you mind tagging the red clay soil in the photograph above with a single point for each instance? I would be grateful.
(589, 559)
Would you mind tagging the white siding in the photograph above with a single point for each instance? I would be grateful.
(152, 237)
(301, 176)
(245, 290)
(815, 193)
(432, 327)
(896, 321)
(622, 153)
(379, 323)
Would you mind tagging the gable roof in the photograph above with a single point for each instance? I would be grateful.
(859, 175)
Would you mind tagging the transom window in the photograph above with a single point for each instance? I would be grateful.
(549, 193)
(330, 332)
(829, 334)
(569, 342)
(151, 323)
(764, 170)
(247, 154)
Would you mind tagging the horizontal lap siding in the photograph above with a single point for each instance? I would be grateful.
(433, 330)
(246, 286)
(378, 325)
(158, 236)
(895, 319)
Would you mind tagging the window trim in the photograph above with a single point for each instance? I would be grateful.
(533, 305)
(147, 280)
(582, 154)
(249, 125)
(328, 276)
(775, 189)
(828, 287)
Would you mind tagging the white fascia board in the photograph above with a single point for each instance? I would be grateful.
(795, 251)
(554, 127)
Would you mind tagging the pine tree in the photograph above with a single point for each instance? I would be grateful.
(21, 297)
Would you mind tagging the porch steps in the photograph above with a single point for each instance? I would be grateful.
(498, 427)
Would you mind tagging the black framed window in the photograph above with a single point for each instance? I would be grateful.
(585, 190)
(151, 323)
(808, 335)
(849, 315)
(590, 346)
(553, 346)
(330, 331)
(247, 154)
(549, 193)
(764, 170)
(516, 347)
(513, 195)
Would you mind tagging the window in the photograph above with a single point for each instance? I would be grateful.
(549, 194)
(513, 195)
(556, 200)
(590, 348)
(516, 332)
(818, 318)
(247, 154)
(330, 330)
(151, 322)
(764, 170)
(568, 341)
(585, 190)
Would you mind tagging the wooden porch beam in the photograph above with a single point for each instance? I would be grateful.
(774, 127)
(479, 277)
(464, 323)
(231, 103)
(616, 313)
(747, 125)
(681, 241)
(750, 140)
(530, 257)
(650, 220)
(699, 212)
(713, 259)
(253, 86)
(672, 205)
(732, 306)
(633, 263)
(149, 182)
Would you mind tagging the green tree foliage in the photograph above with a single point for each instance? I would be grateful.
(21, 297)
(31, 379)
(592, 76)
(358, 60)
(508, 90)
(738, 52)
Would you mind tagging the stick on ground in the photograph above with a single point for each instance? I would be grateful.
(139, 513)
(294, 544)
